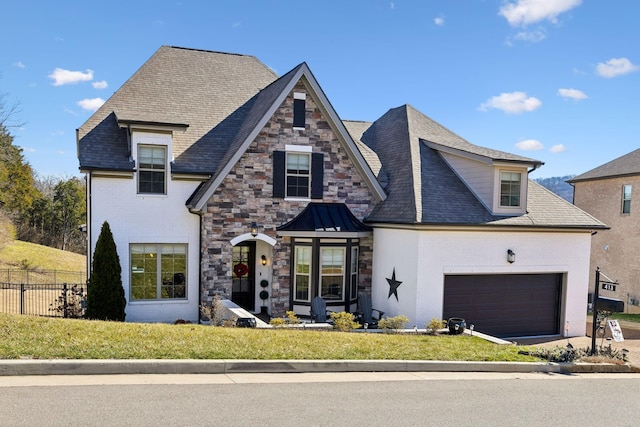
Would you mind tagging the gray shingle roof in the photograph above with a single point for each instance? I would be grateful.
(626, 165)
(162, 91)
(423, 189)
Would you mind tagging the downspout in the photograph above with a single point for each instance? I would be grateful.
(89, 226)
(199, 214)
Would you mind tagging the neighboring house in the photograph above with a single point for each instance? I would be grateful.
(610, 192)
(219, 177)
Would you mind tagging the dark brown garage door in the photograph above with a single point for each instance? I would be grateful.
(505, 305)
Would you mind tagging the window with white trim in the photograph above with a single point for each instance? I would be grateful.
(298, 174)
(510, 189)
(302, 273)
(332, 274)
(354, 271)
(158, 271)
(152, 165)
(626, 199)
(325, 267)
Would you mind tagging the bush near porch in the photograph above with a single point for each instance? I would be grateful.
(46, 338)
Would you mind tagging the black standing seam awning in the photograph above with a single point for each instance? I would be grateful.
(329, 219)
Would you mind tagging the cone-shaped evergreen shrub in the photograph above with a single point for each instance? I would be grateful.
(105, 294)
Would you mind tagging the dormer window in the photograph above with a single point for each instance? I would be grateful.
(299, 107)
(510, 189)
(152, 165)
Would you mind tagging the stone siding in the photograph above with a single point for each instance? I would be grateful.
(245, 196)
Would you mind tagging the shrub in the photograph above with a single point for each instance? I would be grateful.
(433, 325)
(214, 311)
(70, 303)
(392, 323)
(292, 318)
(277, 322)
(105, 294)
(343, 321)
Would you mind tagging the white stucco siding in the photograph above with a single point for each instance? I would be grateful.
(422, 259)
(137, 218)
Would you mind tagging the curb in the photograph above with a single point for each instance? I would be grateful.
(165, 366)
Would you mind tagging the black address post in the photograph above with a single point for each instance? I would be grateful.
(595, 313)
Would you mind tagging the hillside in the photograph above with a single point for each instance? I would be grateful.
(15, 254)
(559, 185)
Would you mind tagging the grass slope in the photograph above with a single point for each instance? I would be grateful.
(15, 254)
(46, 338)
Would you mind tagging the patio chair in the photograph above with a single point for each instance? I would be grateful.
(366, 313)
(319, 310)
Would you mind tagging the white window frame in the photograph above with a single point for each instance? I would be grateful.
(298, 151)
(296, 273)
(162, 169)
(341, 274)
(158, 253)
(355, 250)
(498, 207)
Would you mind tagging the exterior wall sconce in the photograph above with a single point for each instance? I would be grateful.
(511, 256)
(264, 260)
(254, 229)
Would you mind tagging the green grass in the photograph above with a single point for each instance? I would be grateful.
(635, 318)
(46, 338)
(17, 254)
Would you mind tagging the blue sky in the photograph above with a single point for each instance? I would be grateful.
(555, 80)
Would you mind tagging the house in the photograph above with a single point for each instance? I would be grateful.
(607, 192)
(218, 177)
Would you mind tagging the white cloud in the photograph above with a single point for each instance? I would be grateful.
(530, 145)
(392, 5)
(559, 148)
(531, 36)
(19, 64)
(511, 103)
(61, 76)
(615, 67)
(524, 12)
(100, 85)
(439, 21)
(572, 93)
(91, 104)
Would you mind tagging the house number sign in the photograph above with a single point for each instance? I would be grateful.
(609, 287)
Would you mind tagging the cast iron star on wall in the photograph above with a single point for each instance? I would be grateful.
(393, 285)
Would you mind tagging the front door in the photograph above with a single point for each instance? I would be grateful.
(243, 277)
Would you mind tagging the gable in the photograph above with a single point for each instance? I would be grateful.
(328, 124)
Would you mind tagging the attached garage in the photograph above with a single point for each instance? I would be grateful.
(506, 305)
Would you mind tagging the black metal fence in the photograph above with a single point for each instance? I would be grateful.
(43, 293)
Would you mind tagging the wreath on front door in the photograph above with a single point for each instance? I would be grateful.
(240, 269)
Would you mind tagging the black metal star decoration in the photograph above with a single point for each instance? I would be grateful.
(393, 285)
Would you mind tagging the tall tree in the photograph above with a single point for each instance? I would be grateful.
(17, 191)
(70, 207)
(105, 294)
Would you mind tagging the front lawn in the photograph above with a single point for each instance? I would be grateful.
(47, 338)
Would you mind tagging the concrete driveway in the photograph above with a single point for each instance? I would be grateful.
(630, 331)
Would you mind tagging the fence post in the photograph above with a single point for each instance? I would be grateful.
(21, 298)
(64, 300)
